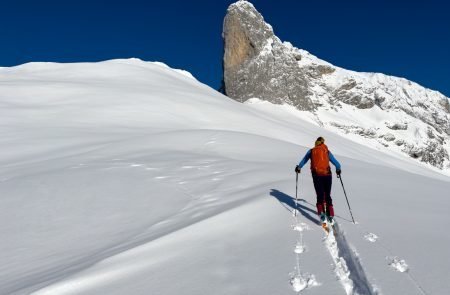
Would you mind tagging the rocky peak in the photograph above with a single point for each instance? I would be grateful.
(256, 63)
(246, 33)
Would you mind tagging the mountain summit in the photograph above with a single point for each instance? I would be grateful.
(382, 111)
(256, 63)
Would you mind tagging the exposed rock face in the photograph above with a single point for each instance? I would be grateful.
(397, 126)
(257, 64)
(392, 112)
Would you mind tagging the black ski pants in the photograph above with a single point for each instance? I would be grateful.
(322, 185)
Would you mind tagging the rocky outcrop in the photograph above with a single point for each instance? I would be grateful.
(396, 113)
(257, 64)
(397, 125)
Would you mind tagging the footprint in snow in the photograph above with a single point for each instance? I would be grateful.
(300, 282)
(299, 248)
(397, 264)
(371, 237)
(301, 226)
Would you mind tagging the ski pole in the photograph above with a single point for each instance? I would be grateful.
(296, 194)
(340, 178)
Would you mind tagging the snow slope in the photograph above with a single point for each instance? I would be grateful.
(128, 177)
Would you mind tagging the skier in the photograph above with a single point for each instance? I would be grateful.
(320, 168)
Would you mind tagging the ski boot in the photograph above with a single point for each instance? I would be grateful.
(330, 220)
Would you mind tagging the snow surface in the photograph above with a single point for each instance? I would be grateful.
(128, 177)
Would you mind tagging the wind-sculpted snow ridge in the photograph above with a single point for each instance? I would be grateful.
(347, 265)
(385, 112)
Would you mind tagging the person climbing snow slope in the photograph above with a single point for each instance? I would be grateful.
(322, 178)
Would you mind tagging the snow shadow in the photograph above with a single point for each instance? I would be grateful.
(289, 201)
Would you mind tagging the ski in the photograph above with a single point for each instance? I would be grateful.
(335, 228)
(325, 227)
(334, 231)
(330, 227)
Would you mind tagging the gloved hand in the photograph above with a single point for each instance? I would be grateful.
(297, 169)
(338, 172)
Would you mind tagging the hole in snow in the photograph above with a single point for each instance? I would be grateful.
(300, 282)
(370, 237)
(398, 264)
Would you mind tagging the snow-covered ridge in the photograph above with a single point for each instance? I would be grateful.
(40, 67)
(367, 107)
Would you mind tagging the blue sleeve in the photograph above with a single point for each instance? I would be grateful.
(305, 159)
(334, 161)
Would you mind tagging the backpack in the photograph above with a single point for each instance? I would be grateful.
(320, 160)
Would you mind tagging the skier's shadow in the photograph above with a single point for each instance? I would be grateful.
(289, 201)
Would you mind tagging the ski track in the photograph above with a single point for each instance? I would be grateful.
(347, 265)
(348, 268)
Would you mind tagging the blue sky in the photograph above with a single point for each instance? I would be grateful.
(409, 39)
